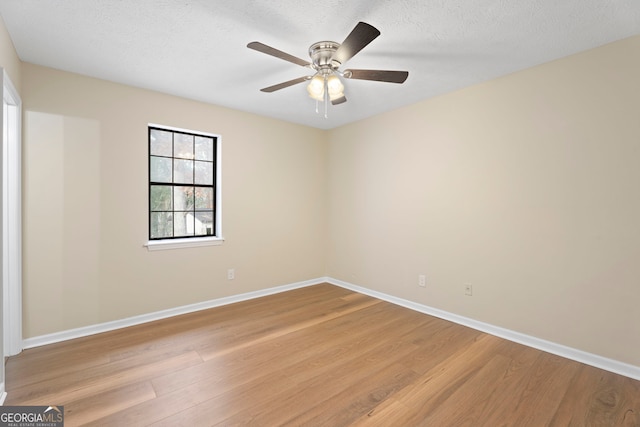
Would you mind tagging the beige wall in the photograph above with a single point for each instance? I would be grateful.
(527, 187)
(85, 204)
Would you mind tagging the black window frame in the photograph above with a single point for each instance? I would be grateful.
(213, 186)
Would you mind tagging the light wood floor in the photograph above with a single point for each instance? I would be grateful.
(318, 356)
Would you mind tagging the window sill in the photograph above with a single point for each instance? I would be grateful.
(161, 245)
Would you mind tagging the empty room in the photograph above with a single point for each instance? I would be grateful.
(304, 213)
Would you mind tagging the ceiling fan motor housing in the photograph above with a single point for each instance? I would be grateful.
(322, 57)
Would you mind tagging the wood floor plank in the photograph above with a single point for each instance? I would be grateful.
(219, 399)
(33, 370)
(543, 390)
(96, 380)
(244, 364)
(433, 388)
(331, 370)
(275, 331)
(358, 399)
(475, 400)
(89, 409)
(319, 364)
(315, 356)
(597, 397)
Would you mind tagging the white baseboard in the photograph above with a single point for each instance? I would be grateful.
(611, 365)
(150, 317)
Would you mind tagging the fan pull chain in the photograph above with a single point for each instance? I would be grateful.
(326, 98)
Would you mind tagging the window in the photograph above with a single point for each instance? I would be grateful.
(183, 185)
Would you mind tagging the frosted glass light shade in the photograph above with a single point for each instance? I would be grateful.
(335, 87)
(316, 88)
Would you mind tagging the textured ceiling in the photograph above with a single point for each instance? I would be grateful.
(197, 48)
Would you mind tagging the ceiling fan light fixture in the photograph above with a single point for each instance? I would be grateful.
(316, 88)
(319, 86)
(335, 87)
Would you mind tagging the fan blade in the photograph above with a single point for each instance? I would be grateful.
(260, 47)
(340, 100)
(285, 84)
(377, 75)
(360, 36)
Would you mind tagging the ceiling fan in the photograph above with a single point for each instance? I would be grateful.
(326, 59)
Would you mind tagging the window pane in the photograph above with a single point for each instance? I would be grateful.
(160, 169)
(183, 200)
(183, 171)
(204, 148)
(161, 224)
(204, 223)
(161, 198)
(184, 224)
(161, 144)
(204, 198)
(183, 146)
(204, 173)
(181, 184)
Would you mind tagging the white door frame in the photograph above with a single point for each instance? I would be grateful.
(11, 218)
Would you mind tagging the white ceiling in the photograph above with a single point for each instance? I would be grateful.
(197, 48)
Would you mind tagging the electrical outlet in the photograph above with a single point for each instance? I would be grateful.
(422, 281)
(468, 290)
(231, 274)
